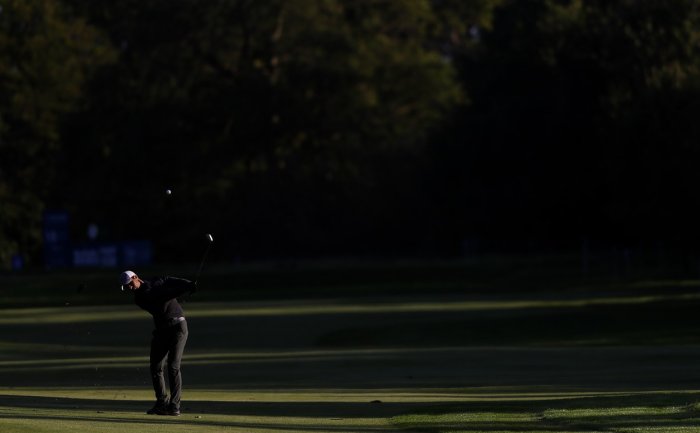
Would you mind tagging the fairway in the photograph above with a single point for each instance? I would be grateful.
(583, 361)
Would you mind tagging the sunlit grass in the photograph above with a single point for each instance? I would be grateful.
(565, 415)
(78, 314)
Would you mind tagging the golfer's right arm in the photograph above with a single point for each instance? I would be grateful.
(172, 287)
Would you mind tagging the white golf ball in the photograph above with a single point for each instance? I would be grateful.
(211, 239)
(168, 192)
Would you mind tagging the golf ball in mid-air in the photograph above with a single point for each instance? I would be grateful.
(211, 239)
(168, 192)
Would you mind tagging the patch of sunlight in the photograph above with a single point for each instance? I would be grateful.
(610, 412)
(55, 315)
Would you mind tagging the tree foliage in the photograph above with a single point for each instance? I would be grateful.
(309, 127)
(265, 116)
(580, 123)
(46, 56)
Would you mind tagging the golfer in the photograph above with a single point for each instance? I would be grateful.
(158, 297)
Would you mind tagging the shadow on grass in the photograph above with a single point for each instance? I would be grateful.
(127, 412)
(320, 426)
(662, 323)
(599, 413)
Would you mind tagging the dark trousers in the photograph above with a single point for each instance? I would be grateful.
(168, 345)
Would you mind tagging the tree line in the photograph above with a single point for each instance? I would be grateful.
(308, 128)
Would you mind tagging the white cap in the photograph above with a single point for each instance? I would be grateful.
(125, 278)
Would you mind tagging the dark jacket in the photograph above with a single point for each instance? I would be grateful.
(158, 297)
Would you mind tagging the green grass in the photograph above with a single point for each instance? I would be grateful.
(484, 276)
(207, 411)
(433, 349)
(638, 412)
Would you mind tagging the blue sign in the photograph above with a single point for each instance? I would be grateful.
(96, 255)
(56, 237)
(111, 255)
(136, 253)
(17, 262)
(59, 253)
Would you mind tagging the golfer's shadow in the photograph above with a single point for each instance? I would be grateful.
(69, 404)
(107, 410)
(315, 409)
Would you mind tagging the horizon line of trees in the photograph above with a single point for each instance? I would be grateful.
(307, 128)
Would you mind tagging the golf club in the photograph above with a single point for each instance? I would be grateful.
(210, 240)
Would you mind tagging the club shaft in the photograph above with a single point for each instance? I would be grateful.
(201, 264)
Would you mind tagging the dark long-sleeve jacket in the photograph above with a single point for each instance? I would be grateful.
(159, 295)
